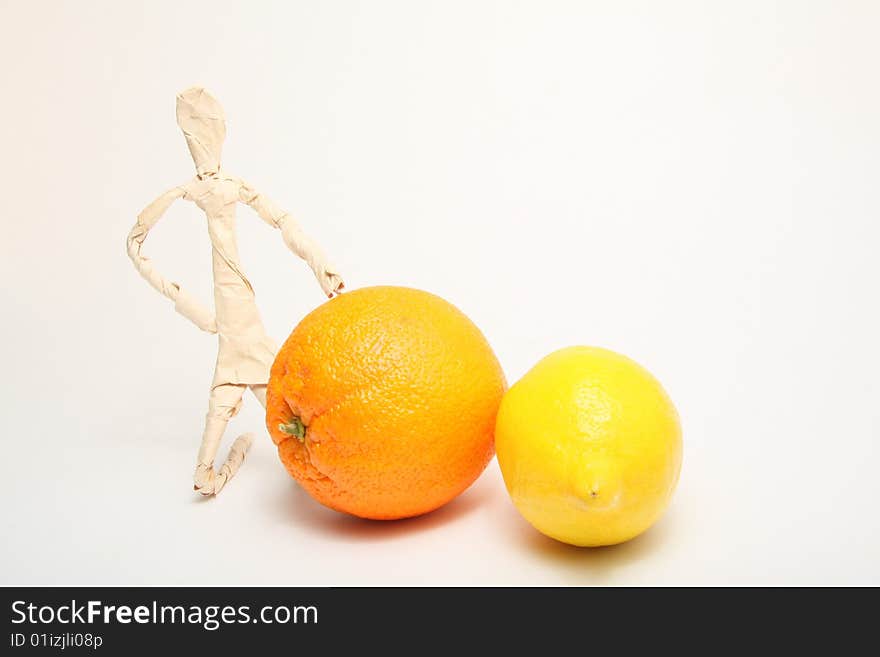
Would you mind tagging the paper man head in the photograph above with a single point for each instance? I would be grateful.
(203, 122)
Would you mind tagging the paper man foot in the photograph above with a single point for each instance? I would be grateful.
(207, 482)
(224, 403)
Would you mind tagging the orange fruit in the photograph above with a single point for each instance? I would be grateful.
(382, 402)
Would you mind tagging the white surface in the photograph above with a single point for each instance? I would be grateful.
(692, 184)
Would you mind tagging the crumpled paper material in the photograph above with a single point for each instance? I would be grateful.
(245, 352)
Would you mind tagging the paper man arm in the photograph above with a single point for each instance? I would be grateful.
(184, 303)
(297, 241)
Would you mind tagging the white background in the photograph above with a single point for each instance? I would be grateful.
(694, 184)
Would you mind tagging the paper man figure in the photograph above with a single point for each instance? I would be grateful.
(246, 353)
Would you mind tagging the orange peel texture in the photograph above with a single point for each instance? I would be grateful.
(382, 402)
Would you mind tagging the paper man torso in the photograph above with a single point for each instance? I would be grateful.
(245, 352)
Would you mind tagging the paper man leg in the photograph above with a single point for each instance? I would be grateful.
(223, 404)
(260, 394)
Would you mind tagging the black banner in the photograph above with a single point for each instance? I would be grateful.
(227, 620)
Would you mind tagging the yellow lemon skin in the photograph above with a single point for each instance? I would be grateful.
(589, 445)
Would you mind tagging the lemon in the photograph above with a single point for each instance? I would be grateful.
(589, 445)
